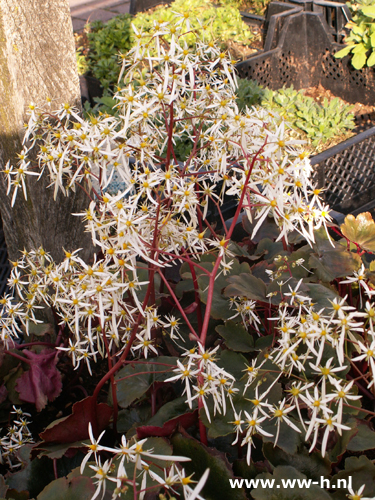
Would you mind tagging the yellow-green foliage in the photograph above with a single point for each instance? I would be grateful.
(222, 23)
(361, 40)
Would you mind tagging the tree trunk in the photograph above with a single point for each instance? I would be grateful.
(37, 61)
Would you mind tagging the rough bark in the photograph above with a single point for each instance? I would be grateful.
(37, 60)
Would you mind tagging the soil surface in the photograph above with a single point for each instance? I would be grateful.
(364, 115)
(319, 93)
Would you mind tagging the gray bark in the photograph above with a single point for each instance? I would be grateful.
(37, 60)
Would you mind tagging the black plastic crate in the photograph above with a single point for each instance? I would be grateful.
(347, 173)
(301, 38)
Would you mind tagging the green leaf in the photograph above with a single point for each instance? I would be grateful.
(335, 264)
(343, 52)
(311, 464)
(134, 380)
(236, 336)
(71, 487)
(368, 11)
(358, 29)
(40, 329)
(358, 471)
(246, 285)
(360, 230)
(232, 362)
(342, 441)
(11, 380)
(267, 230)
(270, 248)
(132, 417)
(217, 486)
(371, 59)
(363, 440)
(57, 450)
(220, 424)
(359, 60)
(168, 411)
(321, 296)
(360, 48)
(283, 472)
(34, 475)
(289, 440)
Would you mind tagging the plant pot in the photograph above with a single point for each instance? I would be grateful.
(142, 5)
(90, 88)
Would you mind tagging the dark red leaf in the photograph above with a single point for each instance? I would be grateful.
(42, 382)
(75, 427)
(3, 393)
(185, 421)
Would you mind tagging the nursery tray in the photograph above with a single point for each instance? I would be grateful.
(301, 38)
(347, 173)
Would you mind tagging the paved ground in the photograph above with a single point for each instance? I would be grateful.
(86, 10)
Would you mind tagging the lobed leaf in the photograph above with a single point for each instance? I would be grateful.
(360, 230)
(236, 336)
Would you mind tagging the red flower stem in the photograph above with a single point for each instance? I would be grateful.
(31, 344)
(210, 293)
(197, 296)
(124, 355)
(17, 356)
(113, 382)
(179, 307)
(59, 335)
(140, 362)
(211, 284)
(142, 373)
(55, 468)
(360, 409)
(174, 257)
(153, 401)
(363, 389)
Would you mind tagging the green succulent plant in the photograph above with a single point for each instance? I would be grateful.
(361, 39)
(319, 123)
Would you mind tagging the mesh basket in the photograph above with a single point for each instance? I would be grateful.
(347, 172)
(301, 39)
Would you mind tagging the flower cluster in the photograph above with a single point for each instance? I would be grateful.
(305, 337)
(18, 434)
(164, 217)
(133, 466)
(161, 215)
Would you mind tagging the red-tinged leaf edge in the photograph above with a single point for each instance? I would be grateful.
(74, 427)
(184, 421)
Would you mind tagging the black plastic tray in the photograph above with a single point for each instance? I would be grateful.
(301, 38)
(347, 173)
